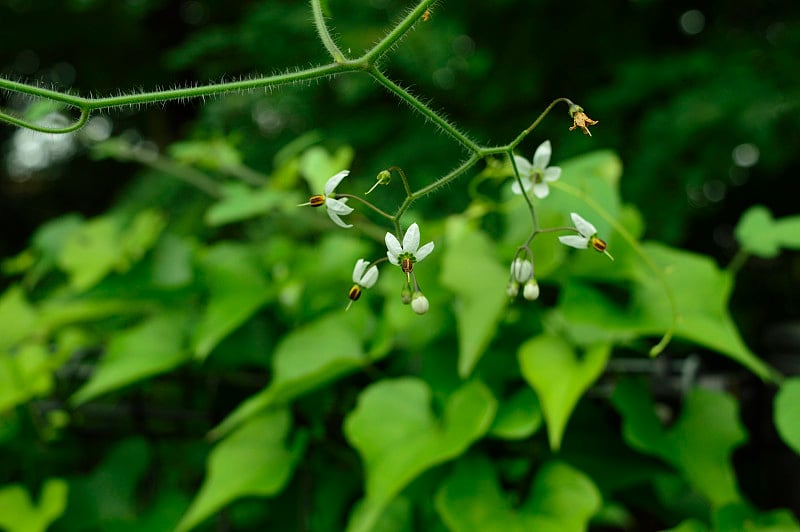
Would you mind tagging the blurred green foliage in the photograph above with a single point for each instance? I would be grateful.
(179, 357)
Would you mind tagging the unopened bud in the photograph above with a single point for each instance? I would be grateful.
(512, 289)
(531, 290)
(419, 303)
(405, 294)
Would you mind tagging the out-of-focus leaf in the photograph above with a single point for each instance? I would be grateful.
(18, 318)
(306, 358)
(253, 461)
(740, 516)
(20, 515)
(138, 237)
(153, 347)
(562, 498)
(553, 369)
(25, 374)
(398, 436)
(760, 234)
(238, 289)
(478, 282)
(240, 202)
(214, 154)
(90, 253)
(518, 417)
(171, 266)
(787, 413)
(318, 165)
(699, 444)
(701, 293)
(690, 525)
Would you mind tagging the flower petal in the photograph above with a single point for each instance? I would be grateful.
(424, 251)
(334, 181)
(552, 174)
(393, 248)
(334, 216)
(542, 156)
(369, 278)
(541, 190)
(574, 241)
(523, 167)
(411, 239)
(338, 206)
(584, 228)
(358, 271)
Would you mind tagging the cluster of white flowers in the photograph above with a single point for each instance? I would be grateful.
(405, 255)
(535, 176)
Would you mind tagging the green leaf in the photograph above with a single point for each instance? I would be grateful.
(787, 413)
(240, 202)
(561, 498)
(18, 318)
(238, 289)
(519, 417)
(305, 359)
(153, 347)
(26, 374)
(20, 515)
(740, 516)
(760, 234)
(214, 154)
(699, 444)
(398, 436)
(318, 165)
(253, 461)
(690, 525)
(553, 369)
(701, 293)
(90, 253)
(471, 272)
(138, 236)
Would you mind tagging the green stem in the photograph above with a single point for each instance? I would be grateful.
(424, 110)
(402, 178)
(396, 33)
(324, 34)
(531, 209)
(514, 143)
(367, 203)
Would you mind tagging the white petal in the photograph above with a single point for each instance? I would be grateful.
(526, 183)
(393, 247)
(584, 228)
(369, 278)
(552, 174)
(424, 251)
(575, 241)
(411, 239)
(523, 167)
(334, 181)
(541, 190)
(542, 156)
(521, 270)
(358, 271)
(338, 206)
(338, 221)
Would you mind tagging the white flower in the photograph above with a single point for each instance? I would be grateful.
(536, 174)
(419, 303)
(521, 270)
(335, 207)
(363, 277)
(586, 230)
(588, 237)
(406, 255)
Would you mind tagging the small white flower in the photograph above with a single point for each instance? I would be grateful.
(335, 207)
(419, 303)
(521, 270)
(362, 276)
(406, 255)
(536, 174)
(586, 230)
(531, 290)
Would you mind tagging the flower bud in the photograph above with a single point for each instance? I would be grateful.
(405, 294)
(531, 290)
(521, 270)
(419, 303)
(512, 289)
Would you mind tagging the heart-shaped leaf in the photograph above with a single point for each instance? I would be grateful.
(398, 436)
(559, 376)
